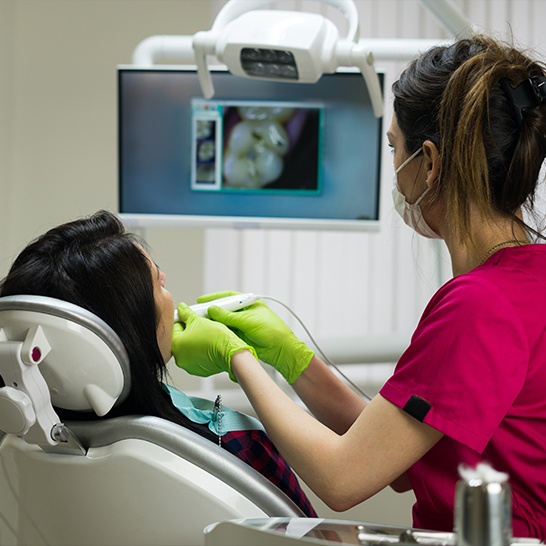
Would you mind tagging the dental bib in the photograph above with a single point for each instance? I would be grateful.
(202, 411)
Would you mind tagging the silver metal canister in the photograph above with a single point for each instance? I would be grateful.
(483, 508)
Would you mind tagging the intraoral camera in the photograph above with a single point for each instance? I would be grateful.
(286, 46)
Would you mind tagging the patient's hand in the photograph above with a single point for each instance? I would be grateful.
(203, 347)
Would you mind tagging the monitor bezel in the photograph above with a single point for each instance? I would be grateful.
(145, 220)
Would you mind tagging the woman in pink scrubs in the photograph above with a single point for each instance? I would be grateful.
(468, 137)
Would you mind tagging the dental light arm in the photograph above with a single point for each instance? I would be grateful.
(362, 58)
(163, 48)
(286, 46)
(450, 17)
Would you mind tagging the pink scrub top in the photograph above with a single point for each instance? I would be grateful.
(476, 371)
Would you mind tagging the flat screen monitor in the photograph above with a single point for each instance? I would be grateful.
(258, 154)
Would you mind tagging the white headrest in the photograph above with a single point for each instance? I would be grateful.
(87, 367)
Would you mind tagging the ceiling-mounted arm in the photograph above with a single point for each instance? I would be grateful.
(164, 49)
(450, 17)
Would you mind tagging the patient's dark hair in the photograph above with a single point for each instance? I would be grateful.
(96, 264)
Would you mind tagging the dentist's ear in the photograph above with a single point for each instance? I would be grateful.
(432, 162)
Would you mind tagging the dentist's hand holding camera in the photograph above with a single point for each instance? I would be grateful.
(257, 329)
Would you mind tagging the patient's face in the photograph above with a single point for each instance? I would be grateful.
(165, 309)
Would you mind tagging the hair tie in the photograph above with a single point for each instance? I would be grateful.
(529, 93)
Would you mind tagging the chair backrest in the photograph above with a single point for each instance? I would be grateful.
(53, 353)
(133, 480)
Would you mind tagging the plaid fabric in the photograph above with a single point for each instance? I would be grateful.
(256, 449)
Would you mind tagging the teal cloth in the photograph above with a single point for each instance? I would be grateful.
(202, 411)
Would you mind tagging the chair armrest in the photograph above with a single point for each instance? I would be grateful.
(193, 448)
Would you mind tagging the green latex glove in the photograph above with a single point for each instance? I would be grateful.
(203, 347)
(264, 330)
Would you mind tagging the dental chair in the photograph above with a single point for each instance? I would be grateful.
(133, 480)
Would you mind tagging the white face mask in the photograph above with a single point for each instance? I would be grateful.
(411, 213)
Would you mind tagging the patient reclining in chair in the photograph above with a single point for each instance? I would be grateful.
(95, 264)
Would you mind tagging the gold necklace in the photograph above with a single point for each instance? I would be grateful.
(492, 250)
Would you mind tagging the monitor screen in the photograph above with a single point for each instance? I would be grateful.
(259, 154)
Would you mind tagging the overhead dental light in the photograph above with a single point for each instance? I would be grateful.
(288, 46)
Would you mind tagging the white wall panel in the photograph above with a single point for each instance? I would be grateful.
(222, 259)
(255, 260)
(305, 284)
(536, 26)
(519, 14)
(7, 10)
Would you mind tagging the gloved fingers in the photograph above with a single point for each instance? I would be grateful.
(216, 295)
(233, 319)
(178, 328)
(248, 316)
(185, 314)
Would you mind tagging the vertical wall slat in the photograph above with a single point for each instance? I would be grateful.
(518, 15)
(222, 259)
(305, 285)
(279, 272)
(254, 259)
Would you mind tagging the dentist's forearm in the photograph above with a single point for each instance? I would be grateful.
(295, 433)
(330, 400)
(342, 469)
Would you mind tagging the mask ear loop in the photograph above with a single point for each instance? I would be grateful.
(529, 93)
(406, 161)
(401, 166)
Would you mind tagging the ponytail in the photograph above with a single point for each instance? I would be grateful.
(488, 159)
